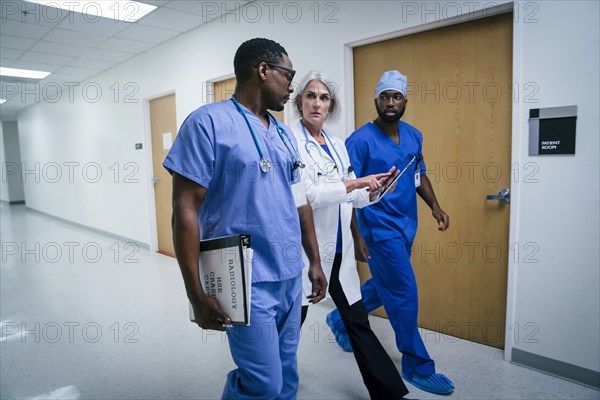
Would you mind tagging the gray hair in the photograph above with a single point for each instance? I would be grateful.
(334, 108)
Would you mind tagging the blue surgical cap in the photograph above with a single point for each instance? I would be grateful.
(391, 80)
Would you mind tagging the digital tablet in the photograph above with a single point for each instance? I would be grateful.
(397, 174)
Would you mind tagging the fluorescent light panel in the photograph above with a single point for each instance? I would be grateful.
(122, 10)
(23, 73)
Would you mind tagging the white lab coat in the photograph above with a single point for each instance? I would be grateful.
(326, 193)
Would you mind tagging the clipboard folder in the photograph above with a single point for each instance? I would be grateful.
(384, 189)
(225, 271)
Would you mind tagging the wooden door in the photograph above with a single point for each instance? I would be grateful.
(459, 97)
(163, 125)
(224, 89)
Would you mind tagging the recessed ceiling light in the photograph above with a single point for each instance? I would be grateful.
(2, 101)
(122, 10)
(23, 73)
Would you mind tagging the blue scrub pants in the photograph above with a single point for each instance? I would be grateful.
(265, 351)
(394, 286)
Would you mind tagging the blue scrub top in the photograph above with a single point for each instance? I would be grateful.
(372, 152)
(214, 148)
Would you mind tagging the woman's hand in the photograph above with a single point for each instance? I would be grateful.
(371, 182)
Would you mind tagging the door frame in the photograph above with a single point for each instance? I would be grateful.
(210, 85)
(209, 98)
(210, 95)
(346, 54)
(150, 166)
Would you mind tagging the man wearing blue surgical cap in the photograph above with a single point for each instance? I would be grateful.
(389, 227)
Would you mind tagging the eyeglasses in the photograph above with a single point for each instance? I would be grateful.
(289, 70)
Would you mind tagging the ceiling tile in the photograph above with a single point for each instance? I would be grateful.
(207, 9)
(45, 58)
(147, 34)
(9, 54)
(59, 49)
(78, 70)
(172, 19)
(22, 29)
(102, 26)
(91, 63)
(125, 45)
(8, 63)
(36, 66)
(14, 42)
(10, 11)
(79, 39)
(157, 3)
(107, 55)
(64, 80)
(31, 13)
(194, 7)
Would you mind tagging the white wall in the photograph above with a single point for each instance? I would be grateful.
(4, 178)
(12, 186)
(560, 213)
(559, 295)
(74, 157)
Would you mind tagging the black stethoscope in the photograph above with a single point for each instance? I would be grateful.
(327, 139)
(265, 164)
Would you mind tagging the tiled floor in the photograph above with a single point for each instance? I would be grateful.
(85, 316)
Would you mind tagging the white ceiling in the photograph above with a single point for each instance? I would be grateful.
(74, 47)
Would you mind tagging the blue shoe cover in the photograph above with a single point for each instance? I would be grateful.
(341, 336)
(436, 383)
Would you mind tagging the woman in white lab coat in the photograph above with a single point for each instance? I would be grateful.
(333, 190)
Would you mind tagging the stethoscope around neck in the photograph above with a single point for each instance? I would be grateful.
(264, 163)
(309, 143)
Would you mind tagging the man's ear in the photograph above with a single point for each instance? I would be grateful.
(262, 71)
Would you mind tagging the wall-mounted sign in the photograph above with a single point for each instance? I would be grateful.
(552, 130)
(167, 140)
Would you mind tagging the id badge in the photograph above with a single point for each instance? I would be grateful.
(418, 177)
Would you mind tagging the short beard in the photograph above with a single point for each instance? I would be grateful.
(389, 119)
(271, 100)
(277, 107)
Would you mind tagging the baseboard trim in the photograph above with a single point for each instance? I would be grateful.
(557, 368)
(13, 202)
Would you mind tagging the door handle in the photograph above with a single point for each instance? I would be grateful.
(503, 195)
(154, 180)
